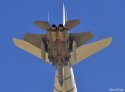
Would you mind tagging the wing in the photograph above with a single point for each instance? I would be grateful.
(29, 48)
(72, 23)
(89, 49)
(43, 25)
(81, 38)
(34, 39)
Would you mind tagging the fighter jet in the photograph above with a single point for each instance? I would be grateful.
(61, 49)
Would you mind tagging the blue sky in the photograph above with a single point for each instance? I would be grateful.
(22, 72)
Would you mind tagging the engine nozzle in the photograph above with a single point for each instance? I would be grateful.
(61, 27)
(53, 28)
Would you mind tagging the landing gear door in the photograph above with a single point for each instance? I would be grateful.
(43, 52)
(73, 58)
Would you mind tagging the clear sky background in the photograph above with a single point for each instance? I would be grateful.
(22, 72)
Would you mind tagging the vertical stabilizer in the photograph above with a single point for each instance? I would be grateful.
(48, 17)
(64, 15)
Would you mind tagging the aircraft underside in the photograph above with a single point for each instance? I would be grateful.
(66, 73)
(61, 49)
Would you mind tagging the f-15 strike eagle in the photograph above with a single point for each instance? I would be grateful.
(61, 49)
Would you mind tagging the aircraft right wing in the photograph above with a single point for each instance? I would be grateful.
(87, 50)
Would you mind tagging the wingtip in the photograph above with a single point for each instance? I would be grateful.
(35, 22)
(109, 40)
(14, 40)
(78, 20)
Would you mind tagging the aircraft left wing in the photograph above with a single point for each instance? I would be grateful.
(30, 48)
(87, 50)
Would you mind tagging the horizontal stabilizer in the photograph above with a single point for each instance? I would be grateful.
(43, 25)
(29, 48)
(72, 23)
(89, 49)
